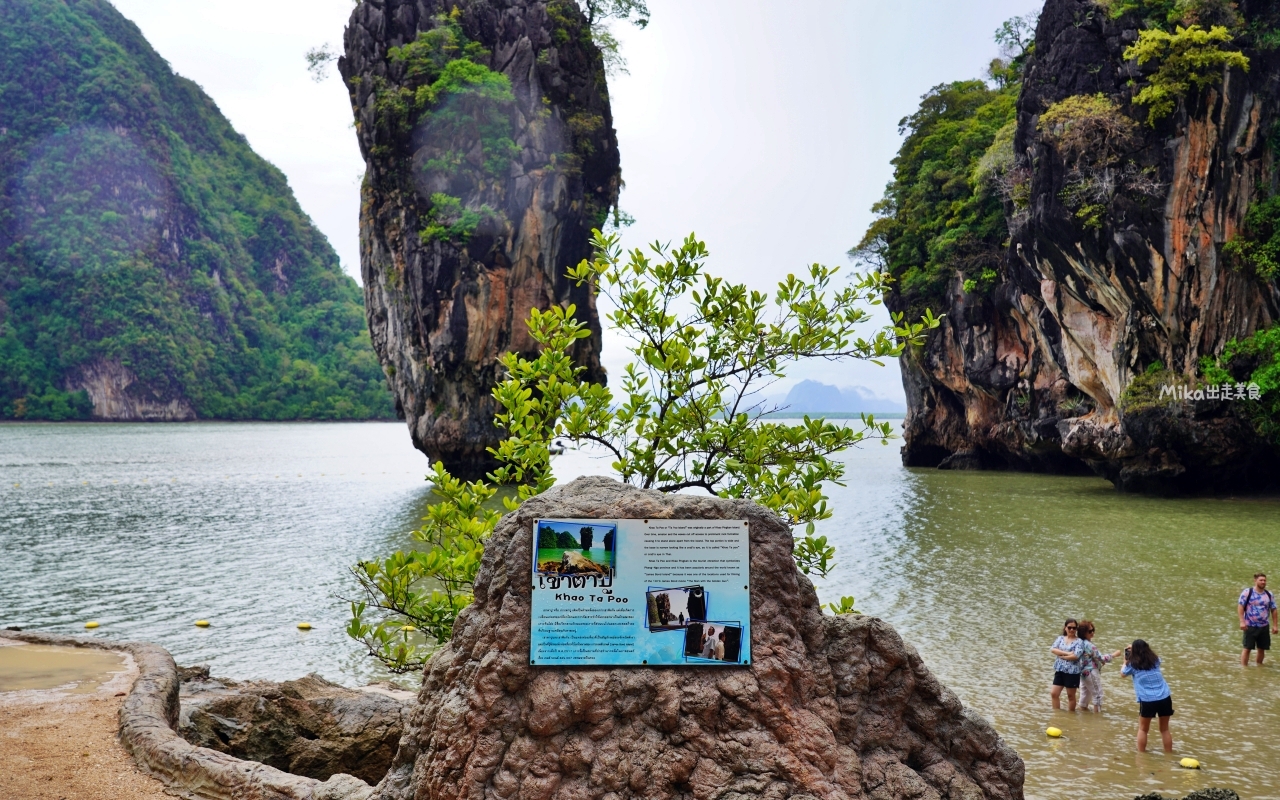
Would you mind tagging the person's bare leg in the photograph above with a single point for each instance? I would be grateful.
(1261, 654)
(1165, 736)
(1244, 658)
(1071, 699)
(1056, 694)
(1144, 725)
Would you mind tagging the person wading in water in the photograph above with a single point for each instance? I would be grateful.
(1256, 608)
(1067, 666)
(1151, 690)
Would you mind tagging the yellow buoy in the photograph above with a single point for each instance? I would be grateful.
(1189, 763)
(304, 626)
(91, 624)
(1053, 732)
(408, 628)
(202, 623)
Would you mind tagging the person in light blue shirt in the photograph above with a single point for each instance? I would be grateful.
(1154, 698)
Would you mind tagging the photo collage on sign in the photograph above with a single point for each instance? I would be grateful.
(684, 609)
(576, 548)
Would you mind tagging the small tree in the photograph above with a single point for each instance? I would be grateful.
(689, 415)
(1095, 138)
(1016, 38)
(424, 589)
(411, 599)
(598, 13)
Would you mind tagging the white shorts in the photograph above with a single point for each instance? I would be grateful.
(1091, 690)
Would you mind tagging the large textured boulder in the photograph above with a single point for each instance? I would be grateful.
(831, 707)
(308, 726)
(465, 227)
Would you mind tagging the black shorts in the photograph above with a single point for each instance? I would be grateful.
(1156, 708)
(1067, 679)
(1259, 638)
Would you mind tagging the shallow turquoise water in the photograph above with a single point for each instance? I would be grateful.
(147, 528)
(978, 570)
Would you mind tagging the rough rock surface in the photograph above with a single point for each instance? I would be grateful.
(831, 707)
(1032, 377)
(117, 394)
(442, 312)
(308, 726)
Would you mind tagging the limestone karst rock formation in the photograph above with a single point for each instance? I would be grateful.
(831, 708)
(474, 201)
(1032, 375)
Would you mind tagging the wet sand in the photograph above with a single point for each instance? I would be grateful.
(58, 720)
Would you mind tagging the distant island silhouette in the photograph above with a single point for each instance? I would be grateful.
(812, 397)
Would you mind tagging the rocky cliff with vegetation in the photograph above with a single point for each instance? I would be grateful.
(152, 266)
(490, 155)
(1102, 231)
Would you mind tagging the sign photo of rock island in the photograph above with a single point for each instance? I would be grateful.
(575, 548)
(670, 609)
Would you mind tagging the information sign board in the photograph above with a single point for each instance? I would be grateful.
(641, 592)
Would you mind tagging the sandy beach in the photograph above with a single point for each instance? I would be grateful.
(59, 743)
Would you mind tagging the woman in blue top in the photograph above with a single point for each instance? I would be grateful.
(1154, 698)
(1066, 666)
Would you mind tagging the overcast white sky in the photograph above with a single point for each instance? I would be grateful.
(767, 128)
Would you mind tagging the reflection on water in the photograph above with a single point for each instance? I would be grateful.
(147, 528)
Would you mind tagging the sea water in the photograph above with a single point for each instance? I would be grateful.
(254, 526)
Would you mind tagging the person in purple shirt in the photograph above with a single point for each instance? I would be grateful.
(1256, 608)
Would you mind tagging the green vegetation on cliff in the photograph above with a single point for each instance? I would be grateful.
(451, 102)
(1257, 246)
(1187, 58)
(1253, 360)
(942, 213)
(1169, 14)
(141, 236)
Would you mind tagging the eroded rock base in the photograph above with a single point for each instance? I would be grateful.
(308, 726)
